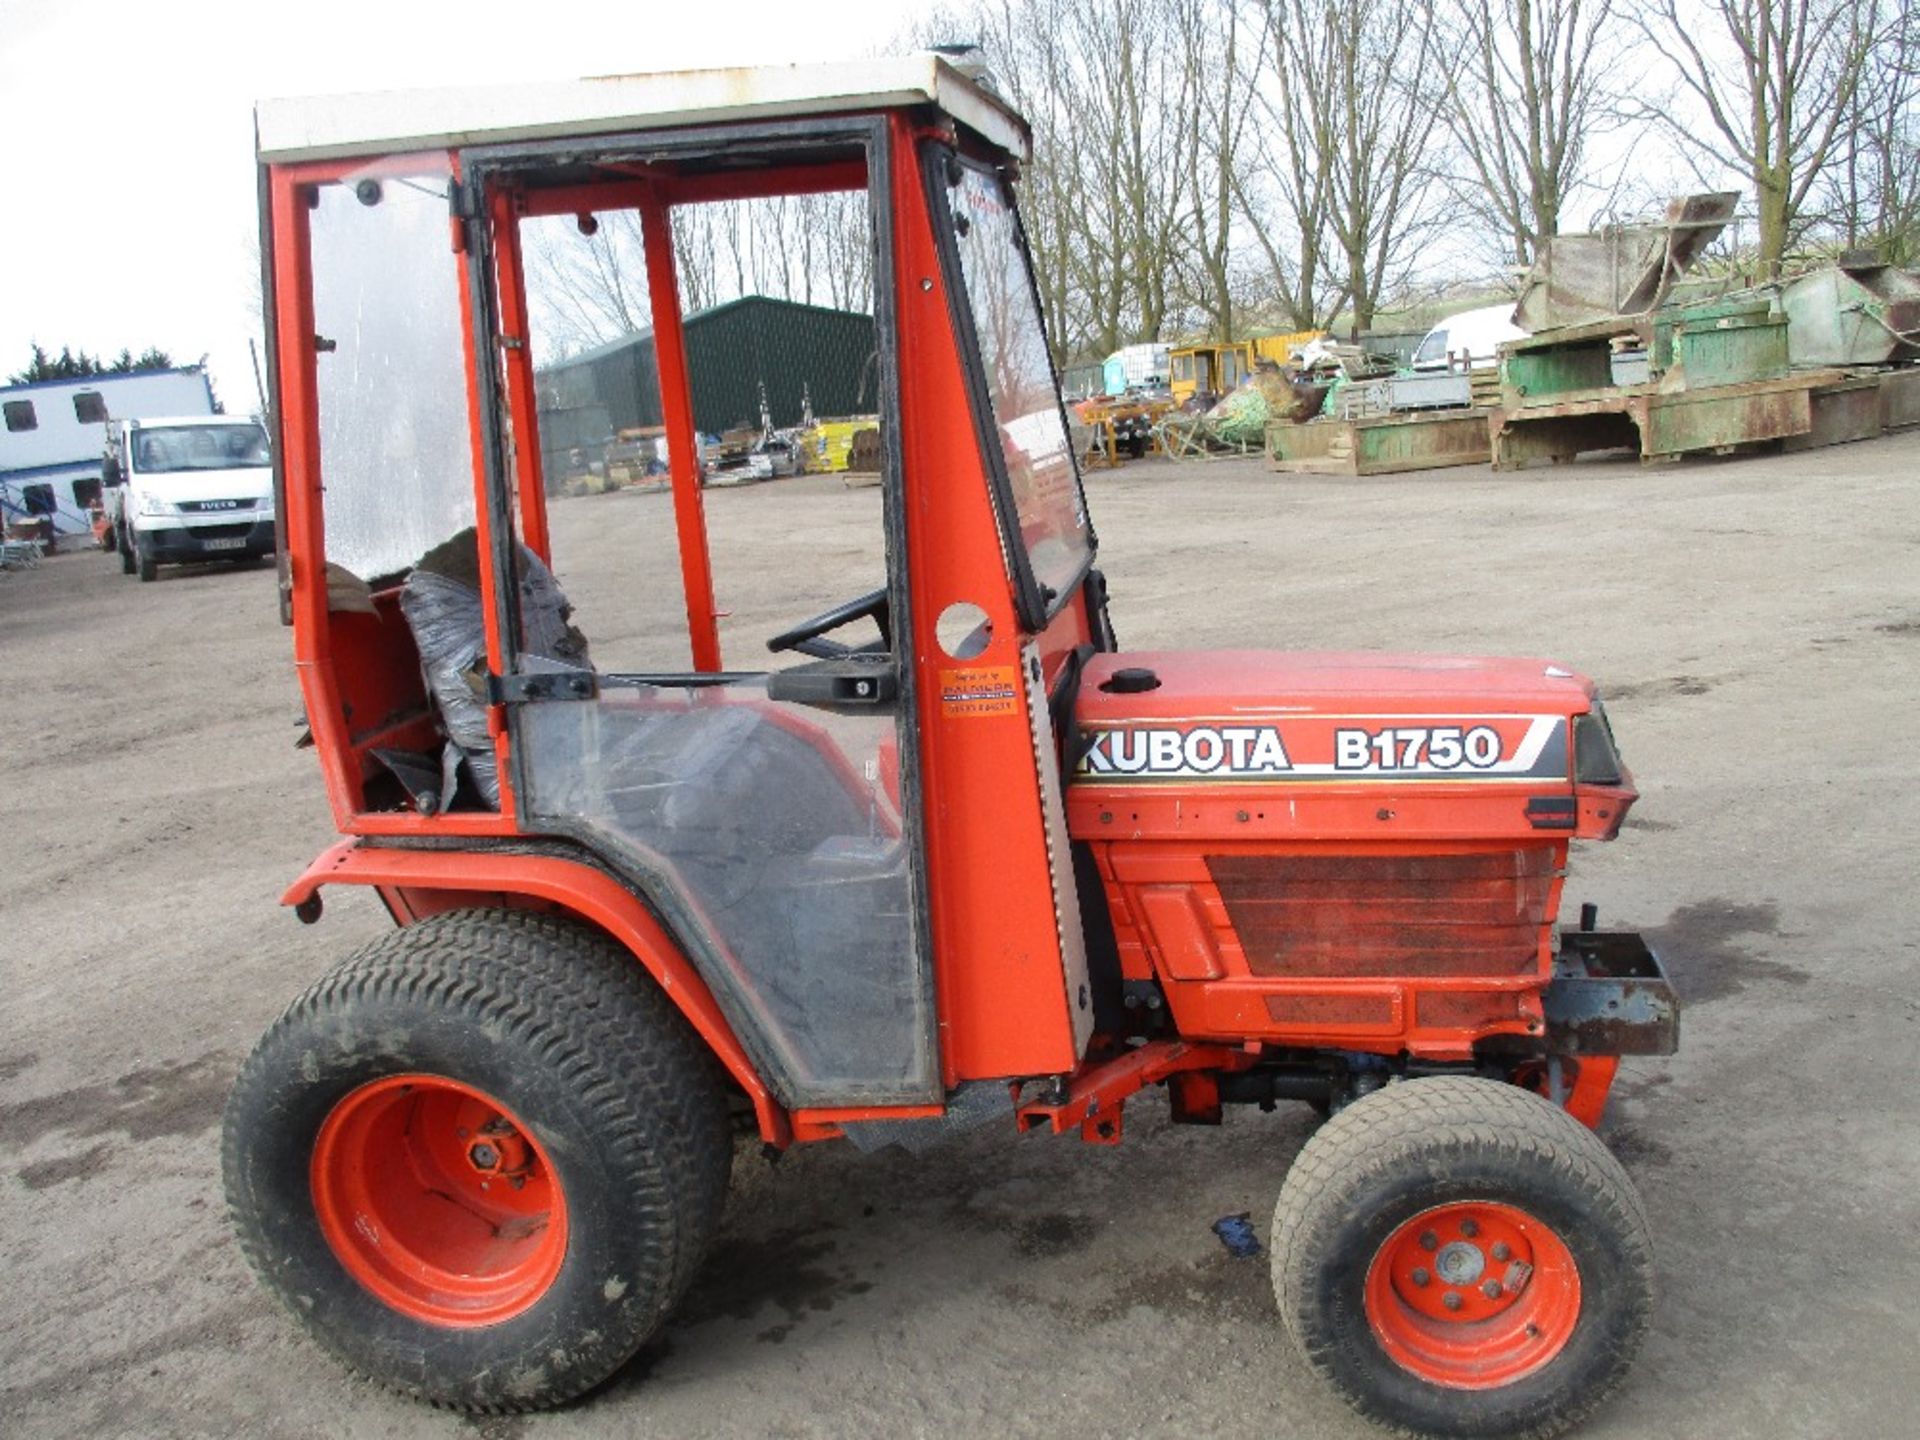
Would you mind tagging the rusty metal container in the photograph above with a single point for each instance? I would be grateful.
(1853, 314)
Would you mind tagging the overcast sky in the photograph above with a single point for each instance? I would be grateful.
(129, 209)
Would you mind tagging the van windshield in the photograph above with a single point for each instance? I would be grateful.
(199, 447)
(1432, 349)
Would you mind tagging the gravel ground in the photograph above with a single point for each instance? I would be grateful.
(1754, 624)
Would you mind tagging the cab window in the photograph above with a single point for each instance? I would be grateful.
(1034, 451)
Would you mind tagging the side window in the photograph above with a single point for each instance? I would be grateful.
(90, 407)
(85, 493)
(783, 365)
(38, 499)
(396, 455)
(20, 416)
(1034, 452)
(1433, 348)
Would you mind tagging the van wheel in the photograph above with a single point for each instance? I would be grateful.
(143, 562)
(1459, 1257)
(480, 1160)
(125, 548)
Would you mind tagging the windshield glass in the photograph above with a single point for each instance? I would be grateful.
(1031, 430)
(1434, 347)
(199, 447)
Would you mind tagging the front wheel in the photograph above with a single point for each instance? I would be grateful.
(1458, 1257)
(125, 547)
(142, 561)
(480, 1160)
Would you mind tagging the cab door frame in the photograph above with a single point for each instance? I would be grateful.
(813, 153)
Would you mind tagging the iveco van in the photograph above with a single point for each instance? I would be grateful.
(188, 489)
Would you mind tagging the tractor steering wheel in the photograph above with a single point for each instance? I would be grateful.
(806, 637)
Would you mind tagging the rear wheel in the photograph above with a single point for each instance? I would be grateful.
(1459, 1257)
(480, 1160)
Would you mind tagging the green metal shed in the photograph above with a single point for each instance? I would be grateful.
(732, 350)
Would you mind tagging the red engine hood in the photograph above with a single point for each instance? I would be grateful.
(1258, 684)
(1396, 743)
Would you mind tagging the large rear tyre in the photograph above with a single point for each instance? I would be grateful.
(480, 1160)
(1458, 1257)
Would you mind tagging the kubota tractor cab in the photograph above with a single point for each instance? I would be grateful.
(939, 854)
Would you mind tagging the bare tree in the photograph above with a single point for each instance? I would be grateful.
(1526, 84)
(1872, 194)
(1779, 82)
(589, 288)
(1107, 88)
(1128, 135)
(1211, 131)
(1347, 88)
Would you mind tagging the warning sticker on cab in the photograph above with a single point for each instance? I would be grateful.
(979, 690)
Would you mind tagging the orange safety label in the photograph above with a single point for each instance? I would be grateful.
(980, 690)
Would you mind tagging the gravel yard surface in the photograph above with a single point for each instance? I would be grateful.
(1754, 625)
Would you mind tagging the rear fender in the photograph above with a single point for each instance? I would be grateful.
(418, 883)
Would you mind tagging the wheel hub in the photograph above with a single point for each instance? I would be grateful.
(438, 1201)
(1473, 1295)
(1460, 1263)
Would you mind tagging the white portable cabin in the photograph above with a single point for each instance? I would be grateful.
(54, 432)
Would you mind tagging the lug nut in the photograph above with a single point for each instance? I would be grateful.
(1491, 1289)
(1469, 1228)
(1429, 1240)
(484, 1157)
(1452, 1300)
(1420, 1276)
(1502, 1250)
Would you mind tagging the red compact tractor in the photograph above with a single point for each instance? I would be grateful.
(949, 854)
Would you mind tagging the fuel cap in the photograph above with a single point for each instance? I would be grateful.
(1131, 681)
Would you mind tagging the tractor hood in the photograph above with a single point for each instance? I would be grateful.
(1270, 682)
(1183, 721)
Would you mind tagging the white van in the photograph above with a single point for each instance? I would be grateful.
(192, 488)
(1474, 333)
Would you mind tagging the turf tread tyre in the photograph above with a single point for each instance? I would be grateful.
(561, 1024)
(1422, 1141)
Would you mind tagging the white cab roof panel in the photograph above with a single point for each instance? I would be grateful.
(397, 121)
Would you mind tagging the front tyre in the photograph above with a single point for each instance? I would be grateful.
(1458, 1257)
(480, 1160)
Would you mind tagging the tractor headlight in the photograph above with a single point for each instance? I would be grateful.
(152, 504)
(1596, 760)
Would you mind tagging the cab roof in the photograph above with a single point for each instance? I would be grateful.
(397, 121)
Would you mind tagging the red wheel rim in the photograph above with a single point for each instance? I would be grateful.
(1473, 1295)
(438, 1200)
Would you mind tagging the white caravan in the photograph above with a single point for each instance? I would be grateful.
(51, 433)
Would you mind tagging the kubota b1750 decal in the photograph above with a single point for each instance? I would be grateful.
(1327, 748)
